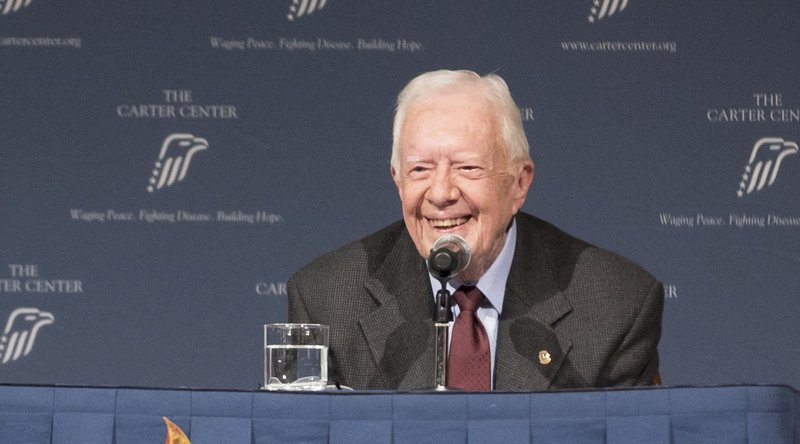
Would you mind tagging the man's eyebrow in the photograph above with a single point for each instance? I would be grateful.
(416, 159)
(471, 158)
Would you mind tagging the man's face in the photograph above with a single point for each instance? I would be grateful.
(454, 177)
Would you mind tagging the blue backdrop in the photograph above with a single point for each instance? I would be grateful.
(165, 166)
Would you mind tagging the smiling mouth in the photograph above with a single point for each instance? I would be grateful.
(444, 224)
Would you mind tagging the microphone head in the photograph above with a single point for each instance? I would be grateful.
(449, 256)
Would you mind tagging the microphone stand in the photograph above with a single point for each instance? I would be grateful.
(441, 321)
(449, 256)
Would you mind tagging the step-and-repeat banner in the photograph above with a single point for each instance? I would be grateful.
(166, 165)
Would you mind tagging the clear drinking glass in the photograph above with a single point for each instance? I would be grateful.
(295, 356)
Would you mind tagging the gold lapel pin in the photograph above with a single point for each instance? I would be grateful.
(544, 357)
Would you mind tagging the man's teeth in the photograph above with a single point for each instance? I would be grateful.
(449, 223)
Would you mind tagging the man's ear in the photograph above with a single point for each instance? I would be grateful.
(396, 179)
(522, 183)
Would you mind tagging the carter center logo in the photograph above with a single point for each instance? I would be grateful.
(765, 162)
(9, 6)
(174, 159)
(299, 8)
(20, 333)
(605, 8)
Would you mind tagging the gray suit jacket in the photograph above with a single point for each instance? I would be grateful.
(595, 313)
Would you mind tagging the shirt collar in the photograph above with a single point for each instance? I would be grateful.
(493, 282)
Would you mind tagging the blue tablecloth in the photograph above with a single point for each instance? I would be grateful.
(738, 414)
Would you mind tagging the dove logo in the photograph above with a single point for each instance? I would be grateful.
(765, 162)
(174, 159)
(9, 6)
(299, 8)
(20, 333)
(608, 8)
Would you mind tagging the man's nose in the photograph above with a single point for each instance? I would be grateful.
(443, 190)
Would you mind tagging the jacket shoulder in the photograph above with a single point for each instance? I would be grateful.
(570, 254)
(360, 258)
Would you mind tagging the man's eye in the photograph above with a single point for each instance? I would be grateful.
(470, 168)
(418, 169)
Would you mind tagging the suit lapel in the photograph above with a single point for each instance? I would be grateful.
(529, 351)
(399, 331)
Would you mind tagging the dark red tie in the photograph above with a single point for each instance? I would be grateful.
(469, 366)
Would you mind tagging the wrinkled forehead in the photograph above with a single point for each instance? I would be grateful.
(452, 109)
(456, 118)
(454, 97)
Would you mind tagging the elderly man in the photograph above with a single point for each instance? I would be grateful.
(548, 310)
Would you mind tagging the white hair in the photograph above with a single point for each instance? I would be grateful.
(492, 87)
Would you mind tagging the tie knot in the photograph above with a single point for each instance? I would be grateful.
(468, 298)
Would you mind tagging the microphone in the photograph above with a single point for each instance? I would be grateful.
(449, 256)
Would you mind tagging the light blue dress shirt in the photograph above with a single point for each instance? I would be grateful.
(493, 285)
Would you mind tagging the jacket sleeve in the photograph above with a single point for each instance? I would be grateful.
(297, 308)
(635, 362)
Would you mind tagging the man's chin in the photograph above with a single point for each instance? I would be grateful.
(473, 272)
(432, 242)
(433, 235)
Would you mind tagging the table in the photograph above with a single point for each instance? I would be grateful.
(731, 414)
